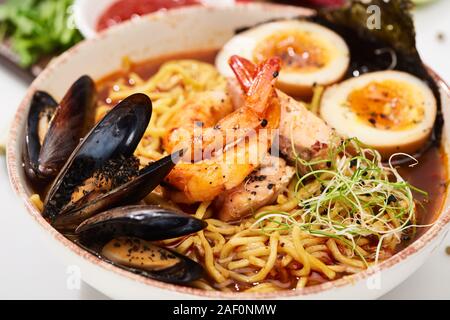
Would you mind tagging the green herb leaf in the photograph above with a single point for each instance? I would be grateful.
(37, 28)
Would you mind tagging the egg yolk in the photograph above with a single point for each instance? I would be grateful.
(298, 51)
(388, 105)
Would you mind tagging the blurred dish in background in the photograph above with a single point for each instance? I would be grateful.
(92, 17)
(122, 10)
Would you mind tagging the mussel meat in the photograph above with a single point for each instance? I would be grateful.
(53, 130)
(123, 236)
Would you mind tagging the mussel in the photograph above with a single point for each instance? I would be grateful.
(102, 172)
(100, 178)
(53, 130)
(122, 237)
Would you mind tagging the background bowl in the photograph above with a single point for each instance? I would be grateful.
(87, 13)
(182, 30)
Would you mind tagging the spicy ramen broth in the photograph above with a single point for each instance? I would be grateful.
(429, 174)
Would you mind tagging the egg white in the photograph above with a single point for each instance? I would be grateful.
(337, 114)
(291, 81)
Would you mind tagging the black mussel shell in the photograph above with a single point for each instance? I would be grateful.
(68, 120)
(145, 222)
(42, 105)
(149, 223)
(67, 126)
(115, 136)
(128, 193)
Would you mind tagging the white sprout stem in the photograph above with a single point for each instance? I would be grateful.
(342, 208)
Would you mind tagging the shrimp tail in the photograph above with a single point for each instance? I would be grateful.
(256, 81)
(244, 70)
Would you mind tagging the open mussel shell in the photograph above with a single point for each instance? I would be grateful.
(131, 192)
(42, 109)
(54, 130)
(115, 136)
(121, 236)
(67, 126)
(145, 222)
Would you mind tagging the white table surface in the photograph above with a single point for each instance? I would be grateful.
(29, 271)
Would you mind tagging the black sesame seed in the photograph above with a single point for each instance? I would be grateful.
(391, 199)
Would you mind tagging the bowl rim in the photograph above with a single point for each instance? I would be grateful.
(13, 166)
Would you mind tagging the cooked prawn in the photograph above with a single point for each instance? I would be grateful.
(202, 110)
(299, 128)
(234, 146)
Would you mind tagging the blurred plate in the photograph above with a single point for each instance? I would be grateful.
(87, 13)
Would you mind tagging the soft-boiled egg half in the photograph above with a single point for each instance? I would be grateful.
(391, 111)
(310, 53)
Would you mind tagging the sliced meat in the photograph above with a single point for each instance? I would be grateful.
(260, 188)
(303, 130)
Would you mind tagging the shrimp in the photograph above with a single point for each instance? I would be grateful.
(206, 179)
(234, 146)
(204, 109)
(299, 128)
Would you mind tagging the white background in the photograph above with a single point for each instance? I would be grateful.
(28, 270)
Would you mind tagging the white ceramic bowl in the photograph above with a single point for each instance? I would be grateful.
(184, 30)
